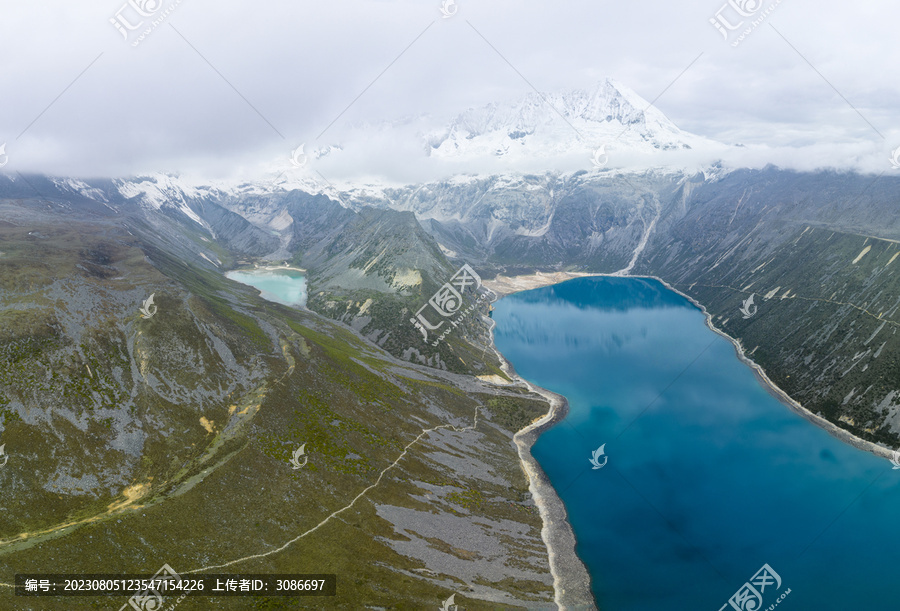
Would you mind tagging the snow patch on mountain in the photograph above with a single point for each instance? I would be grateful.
(164, 190)
(80, 187)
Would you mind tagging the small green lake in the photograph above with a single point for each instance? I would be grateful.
(287, 286)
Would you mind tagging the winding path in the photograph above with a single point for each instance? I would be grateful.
(345, 508)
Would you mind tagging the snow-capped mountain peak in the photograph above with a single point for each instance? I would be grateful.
(558, 123)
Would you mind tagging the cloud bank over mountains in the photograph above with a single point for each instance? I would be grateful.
(227, 92)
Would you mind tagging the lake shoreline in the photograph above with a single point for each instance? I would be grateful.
(774, 390)
(503, 286)
(570, 576)
(571, 580)
(274, 284)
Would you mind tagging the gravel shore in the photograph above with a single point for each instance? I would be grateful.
(571, 581)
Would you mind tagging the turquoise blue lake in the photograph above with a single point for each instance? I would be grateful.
(708, 476)
(281, 286)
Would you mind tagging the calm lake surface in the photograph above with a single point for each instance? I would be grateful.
(281, 286)
(708, 477)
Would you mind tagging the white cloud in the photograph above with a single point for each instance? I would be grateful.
(161, 106)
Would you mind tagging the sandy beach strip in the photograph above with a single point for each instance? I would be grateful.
(274, 268)
(507, 285)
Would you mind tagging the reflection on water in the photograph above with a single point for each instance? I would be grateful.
(607, 294)
(708, 476)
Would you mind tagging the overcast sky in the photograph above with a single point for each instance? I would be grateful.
(225, 88)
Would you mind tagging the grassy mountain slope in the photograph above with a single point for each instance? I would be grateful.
(826, 326)
(135, 442)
